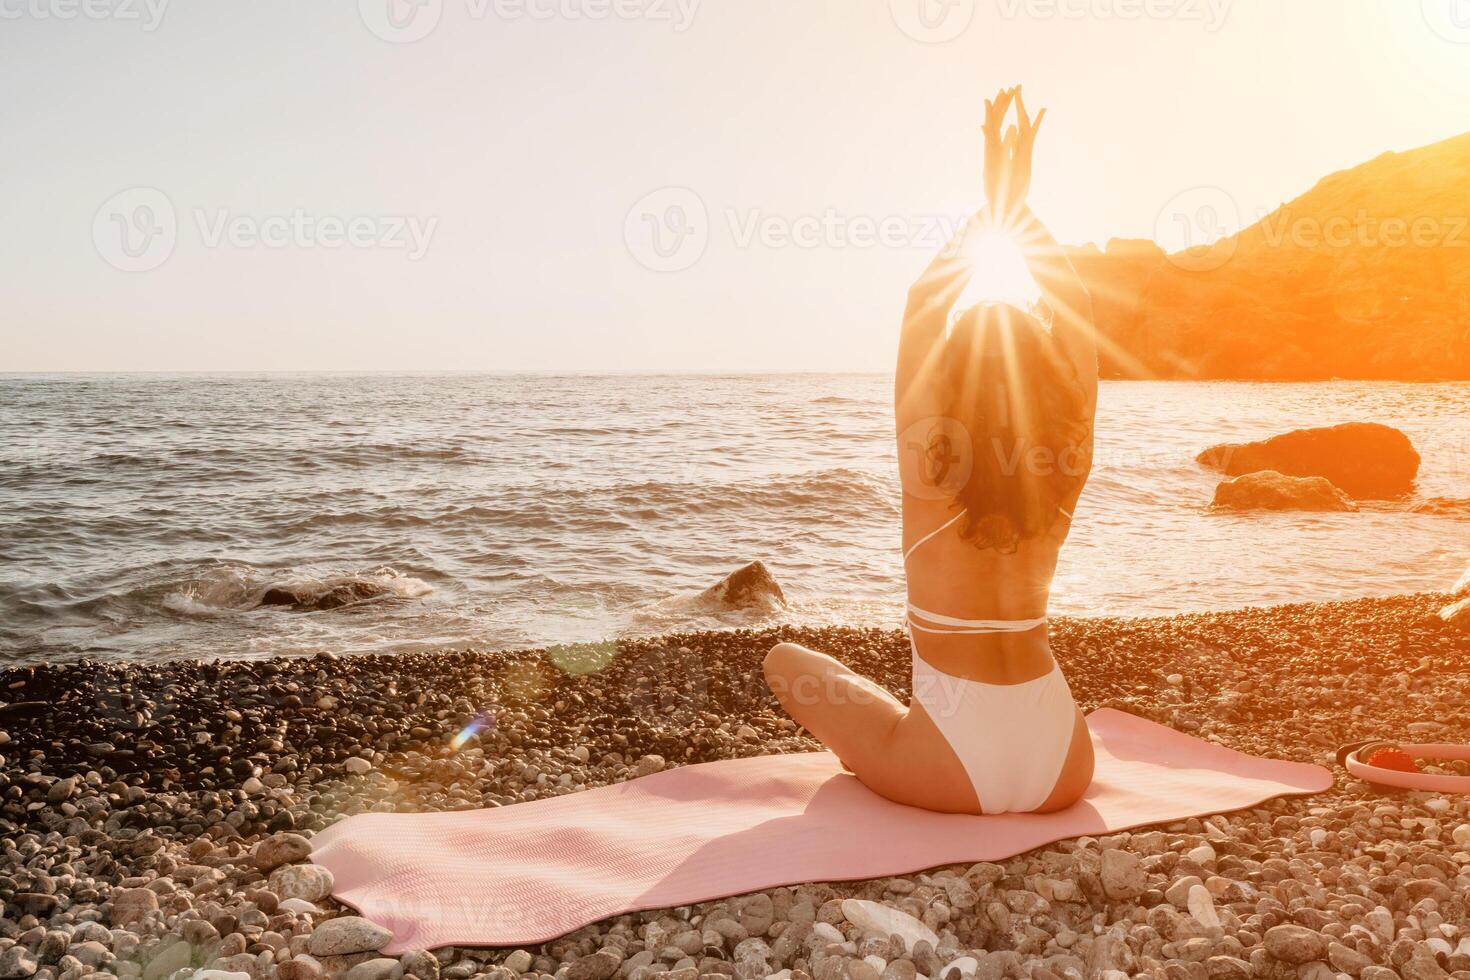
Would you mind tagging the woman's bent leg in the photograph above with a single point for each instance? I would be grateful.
(897, 752)
(843, 710)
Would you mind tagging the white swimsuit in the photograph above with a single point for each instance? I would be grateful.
(1012, 739)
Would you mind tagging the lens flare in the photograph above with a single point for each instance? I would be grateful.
(477, 724)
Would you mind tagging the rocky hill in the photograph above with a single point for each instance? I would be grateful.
(1367, 275)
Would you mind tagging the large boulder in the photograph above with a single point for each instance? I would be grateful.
(752, 586)
(1270, 490)
(1365, 460)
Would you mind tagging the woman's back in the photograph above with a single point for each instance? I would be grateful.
(994, 442)
(951, 583)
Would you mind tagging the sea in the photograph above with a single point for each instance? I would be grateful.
(144, 517)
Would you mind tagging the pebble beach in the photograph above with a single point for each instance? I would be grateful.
(157, 817)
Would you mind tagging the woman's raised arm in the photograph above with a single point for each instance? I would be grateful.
(1064, 292)
(1061, 287)
(1007, 183)
(930, 299)
(925, 316)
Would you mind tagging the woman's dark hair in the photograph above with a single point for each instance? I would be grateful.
(1020, 400)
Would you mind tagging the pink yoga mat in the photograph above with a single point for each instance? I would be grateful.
(531, 872)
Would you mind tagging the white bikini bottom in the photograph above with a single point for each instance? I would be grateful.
(1012, 739)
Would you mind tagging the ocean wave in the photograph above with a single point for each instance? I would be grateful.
(255, 457)
(583, 506)
(1443, 507)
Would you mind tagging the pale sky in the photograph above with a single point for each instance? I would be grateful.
(296, 192)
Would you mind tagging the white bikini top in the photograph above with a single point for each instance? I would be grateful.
(965, 626)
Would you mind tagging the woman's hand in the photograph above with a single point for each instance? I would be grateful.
(1008, 155)
(997, 158)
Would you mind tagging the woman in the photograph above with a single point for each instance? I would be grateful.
(995, 443)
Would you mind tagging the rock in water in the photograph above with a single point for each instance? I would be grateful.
(1269, 490)
(744, 588)
(888, 921)
(308, 598)
(1366, 460)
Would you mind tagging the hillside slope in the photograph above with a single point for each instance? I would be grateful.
(1367, 275)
